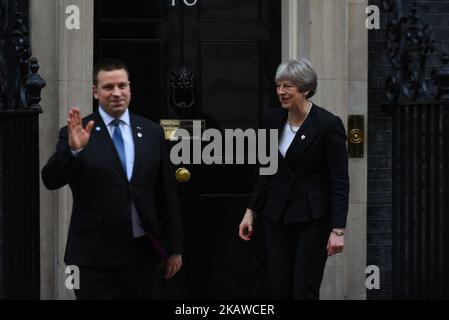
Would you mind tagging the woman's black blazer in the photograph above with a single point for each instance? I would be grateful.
(312, 180)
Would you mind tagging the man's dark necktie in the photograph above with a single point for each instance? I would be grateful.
(117, 138)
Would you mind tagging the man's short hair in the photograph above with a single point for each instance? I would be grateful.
(109, 64)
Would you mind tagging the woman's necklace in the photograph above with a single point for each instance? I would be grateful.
(289, 122)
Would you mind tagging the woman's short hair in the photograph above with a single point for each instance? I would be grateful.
(301, 73)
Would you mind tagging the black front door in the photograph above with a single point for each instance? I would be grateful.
(210, 60)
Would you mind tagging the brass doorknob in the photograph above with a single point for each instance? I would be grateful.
(356, 136)
(182, 175)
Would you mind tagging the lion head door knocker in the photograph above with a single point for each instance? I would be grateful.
(182, 88)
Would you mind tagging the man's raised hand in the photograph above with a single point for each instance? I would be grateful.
(78, 136)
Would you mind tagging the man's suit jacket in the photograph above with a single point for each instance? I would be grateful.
(312, 180)
(100, 231)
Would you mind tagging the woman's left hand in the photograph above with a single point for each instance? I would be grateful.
(335, 244)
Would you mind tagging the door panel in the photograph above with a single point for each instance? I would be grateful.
(227, 266)
(146, 74)
(231, 48)
(230, 10)
(139, 10)
(227, 96)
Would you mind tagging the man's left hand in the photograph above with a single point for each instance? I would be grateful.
(172, 265)
(335, 244)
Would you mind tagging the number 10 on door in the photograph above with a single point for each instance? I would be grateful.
(190, 3)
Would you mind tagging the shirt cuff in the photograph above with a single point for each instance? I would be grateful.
(76, 152)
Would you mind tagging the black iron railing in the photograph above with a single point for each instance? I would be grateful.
(20, 90)
(420, 200)
(419, 105)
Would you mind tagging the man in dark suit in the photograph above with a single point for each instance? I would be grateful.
(125, 225)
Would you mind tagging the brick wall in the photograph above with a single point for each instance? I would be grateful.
(379, 228)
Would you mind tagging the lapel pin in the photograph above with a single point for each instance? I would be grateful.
(98, 128)
(139, 135)
(303, 137)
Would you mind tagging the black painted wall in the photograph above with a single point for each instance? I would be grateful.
(379, 238)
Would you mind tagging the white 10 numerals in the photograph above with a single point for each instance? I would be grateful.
(188, 3)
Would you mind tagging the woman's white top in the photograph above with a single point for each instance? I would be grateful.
(286, 138)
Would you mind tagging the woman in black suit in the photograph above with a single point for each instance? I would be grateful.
(305, 203)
